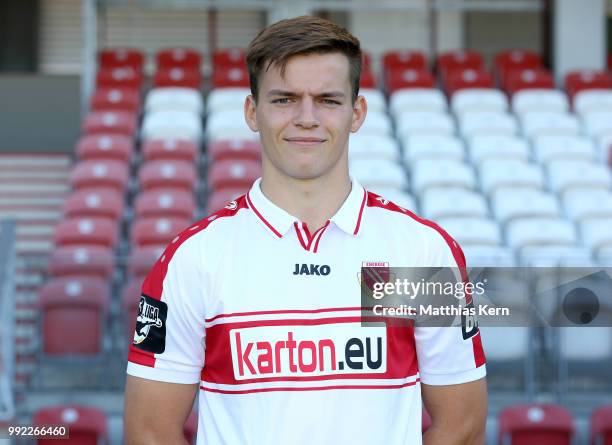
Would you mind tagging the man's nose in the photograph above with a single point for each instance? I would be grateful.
(306, 114)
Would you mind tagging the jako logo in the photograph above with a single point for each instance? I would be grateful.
(311, 269)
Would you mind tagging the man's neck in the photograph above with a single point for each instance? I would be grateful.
(311, 201)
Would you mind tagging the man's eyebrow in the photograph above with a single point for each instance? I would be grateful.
(281, 93)
(337, 94)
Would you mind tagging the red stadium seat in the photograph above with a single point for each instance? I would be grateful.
(121, 57)
(141, 260)
(115, 99)
(232, 76)
(425, 421)
(73, 311)
(514, 59)
(178, 77)
(178, 58)
(87, 425)
(105, 146)
(403, 60)
(169, 203)
(454, 60)
(457, 80)
(366, 60)
(113, 122)
(399, 79)
(171, 149)
(581, 80)
(535, 425)
(92, 203)
(191, 427)
(119, 77)
(130, 298)
(234, 149)
(601, 426)
(82, 260)
(367, 79)
(86, 231)
(156, 231)
(518, 80)
(220, 199)
(100, 174)
(233, 174)
(233, 57)
(168, 174)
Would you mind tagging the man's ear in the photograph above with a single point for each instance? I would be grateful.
(360, 109)
(249, 113)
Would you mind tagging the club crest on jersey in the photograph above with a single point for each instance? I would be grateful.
(232, 205)
(374, 272)
(150, 333)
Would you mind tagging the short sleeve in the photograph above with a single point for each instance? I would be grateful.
(168, 342)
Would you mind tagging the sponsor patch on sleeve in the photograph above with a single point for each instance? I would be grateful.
(469, 324)
(150, 333)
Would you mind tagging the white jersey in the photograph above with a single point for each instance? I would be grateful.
(266, 317)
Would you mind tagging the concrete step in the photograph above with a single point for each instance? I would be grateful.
(30, 160)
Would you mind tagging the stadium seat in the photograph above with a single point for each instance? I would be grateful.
(457, 60)
(429, 173)
(83, 260)
(230, 77)
(539, 100)
(417, 99)
(87, 425)
(445, 202)
(479, 99)
(513, 203)
(367, 80)
(174, 99)
(403, 59)
(99, 174)
(518, 80)
(102, 203)
(233, 174)
(514, 59)
(228, 57)
(178, 58)
(601, 425)
(218, 200)
(110, 122)
(461, 79)
(581, 80)
(378, 173)
(229, 124)
(169, 203)
(227, 99)
(535, 425)
(505, 343)
(598, 124)
(105, 146)
(115, 99)
(587, 203)
(472, 230)
(483, 147)
(540, 123)
(548, 148)
(234, 149)
(170, 149)
(414, 122)
(567, 174)
(373, 146)
(554, 256)
(488, 256)
(376, 123)
(86, 231)
(142, 259)
(374, 98)
(121, 57)
(172, 124)
(177, 77)
(525, 232)
(156, 231)
(432, 146)
(73, 311)
(123, 77)
(587, 101)
(167, 174)
(487, 122)
(401, 79)
(597, 233)
(396, 196)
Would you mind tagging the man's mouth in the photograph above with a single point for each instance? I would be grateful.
(305, 141)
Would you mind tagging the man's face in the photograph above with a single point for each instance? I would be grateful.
(304, 117)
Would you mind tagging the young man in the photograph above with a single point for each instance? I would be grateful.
(257, 307)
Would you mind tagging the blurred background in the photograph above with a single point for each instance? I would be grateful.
(121, 122)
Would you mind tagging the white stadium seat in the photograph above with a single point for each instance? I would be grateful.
(479, 99)
(374, 99)
(502, 343)
(496, 173)
(597, 100)
(396, 196)
(428, 146)
(174, 98)
(378, 173)
(172, 124)
(604, 149)
(479, 231)
(377, 123)
(549, 148)
(597, 233)
(564, 175)
(226, 99)
(597, 124)
(572, 341)
(370, 145)
(530, 100)
(487, 122)
(521, 233)
(414, 122)
(491, 146)
(552, 256)
(557, 123)
(453, 202)
(488, 256)
(512, 203)
(604, 256)
(428, 173)
(583, 204)
(228, 125)
(417, 99)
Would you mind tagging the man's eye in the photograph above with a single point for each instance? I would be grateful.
(330, 102)
(282, 100)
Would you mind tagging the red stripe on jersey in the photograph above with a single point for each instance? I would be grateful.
(284, 311)
(260, 216)
(363, 202)
(153, 283)
(320, 233)
(375, 200)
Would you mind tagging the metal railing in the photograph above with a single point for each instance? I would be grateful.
(7, 353)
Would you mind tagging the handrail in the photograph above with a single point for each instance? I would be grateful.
(7, 303)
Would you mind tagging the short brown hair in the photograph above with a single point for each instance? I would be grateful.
(303, 35)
